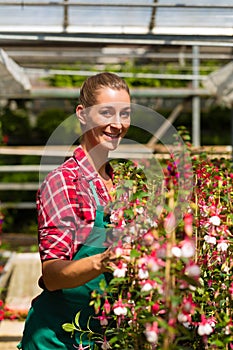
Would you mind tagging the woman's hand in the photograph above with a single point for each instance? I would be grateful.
(112, 256)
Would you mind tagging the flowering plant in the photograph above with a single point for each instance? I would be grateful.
(8, 314)
(175, 290)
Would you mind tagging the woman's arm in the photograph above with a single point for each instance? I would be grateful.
(59, 274)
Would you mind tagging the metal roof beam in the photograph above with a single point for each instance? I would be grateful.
(122, 39)
(115, 4)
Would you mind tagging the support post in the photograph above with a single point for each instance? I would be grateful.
(65, 16)
(196, 130)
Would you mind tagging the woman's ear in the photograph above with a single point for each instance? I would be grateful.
(81, 114)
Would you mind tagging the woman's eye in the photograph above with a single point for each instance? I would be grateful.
(106, 113)
(125, 114)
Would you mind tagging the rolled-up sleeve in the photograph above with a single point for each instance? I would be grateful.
(65, 215)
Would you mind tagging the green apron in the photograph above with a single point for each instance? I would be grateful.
(50, 310)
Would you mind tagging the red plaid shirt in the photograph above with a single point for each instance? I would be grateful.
(66, 207)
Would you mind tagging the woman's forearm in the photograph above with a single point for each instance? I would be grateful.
(59, 274)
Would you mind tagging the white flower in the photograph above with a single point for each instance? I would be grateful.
(187, 249)
(143, 274)
(147, 287)
(193, 271)
(222, 246)
(210, 239)
(182, 318)
(120, 271)
(120, 311)
(215, 220)
(151, 223)
(204, 329)
(140, 210)
(176, 251)
(151, 336)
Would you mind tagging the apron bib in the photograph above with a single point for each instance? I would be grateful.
(50, 310)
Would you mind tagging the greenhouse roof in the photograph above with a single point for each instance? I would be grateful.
(113, 21)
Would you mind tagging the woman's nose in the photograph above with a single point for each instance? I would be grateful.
(116, 121)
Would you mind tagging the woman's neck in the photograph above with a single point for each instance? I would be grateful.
(98, 158)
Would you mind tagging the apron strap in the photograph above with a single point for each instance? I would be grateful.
(94, 193)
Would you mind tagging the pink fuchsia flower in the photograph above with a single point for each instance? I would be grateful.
(188, 306)
(151, 262)
(176, 251)
(231, 290)
(151, 332)
(170, 222)
(117, 218)
(105, 344)
(143, 273)
(184, 318)
(188, 224)
(147, 285)
(119, 308)
(210, 239)
(215, 220)
(222, 246)
(103, 319)
(206, 326)
(107, 306)
(187, 248)
(120, 270)
(81, 347)
(192, 270)
(148, 238)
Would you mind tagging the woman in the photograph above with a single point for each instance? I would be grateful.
(71, 220)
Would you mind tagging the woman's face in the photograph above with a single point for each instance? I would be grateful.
(107, 122)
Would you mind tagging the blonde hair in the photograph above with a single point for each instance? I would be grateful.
(89, 89)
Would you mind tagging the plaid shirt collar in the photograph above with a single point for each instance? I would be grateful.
(88, 170)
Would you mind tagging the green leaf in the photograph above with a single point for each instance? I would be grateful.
(103, 285)
(134, 253)
(68, 327)
(76, 320)
(217, 342)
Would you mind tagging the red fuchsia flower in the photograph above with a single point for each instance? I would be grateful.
(206, 326)
(1, 315)
(151, 332)
(155, 308)
(147, 285)
(120, 270)
(119, 308)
